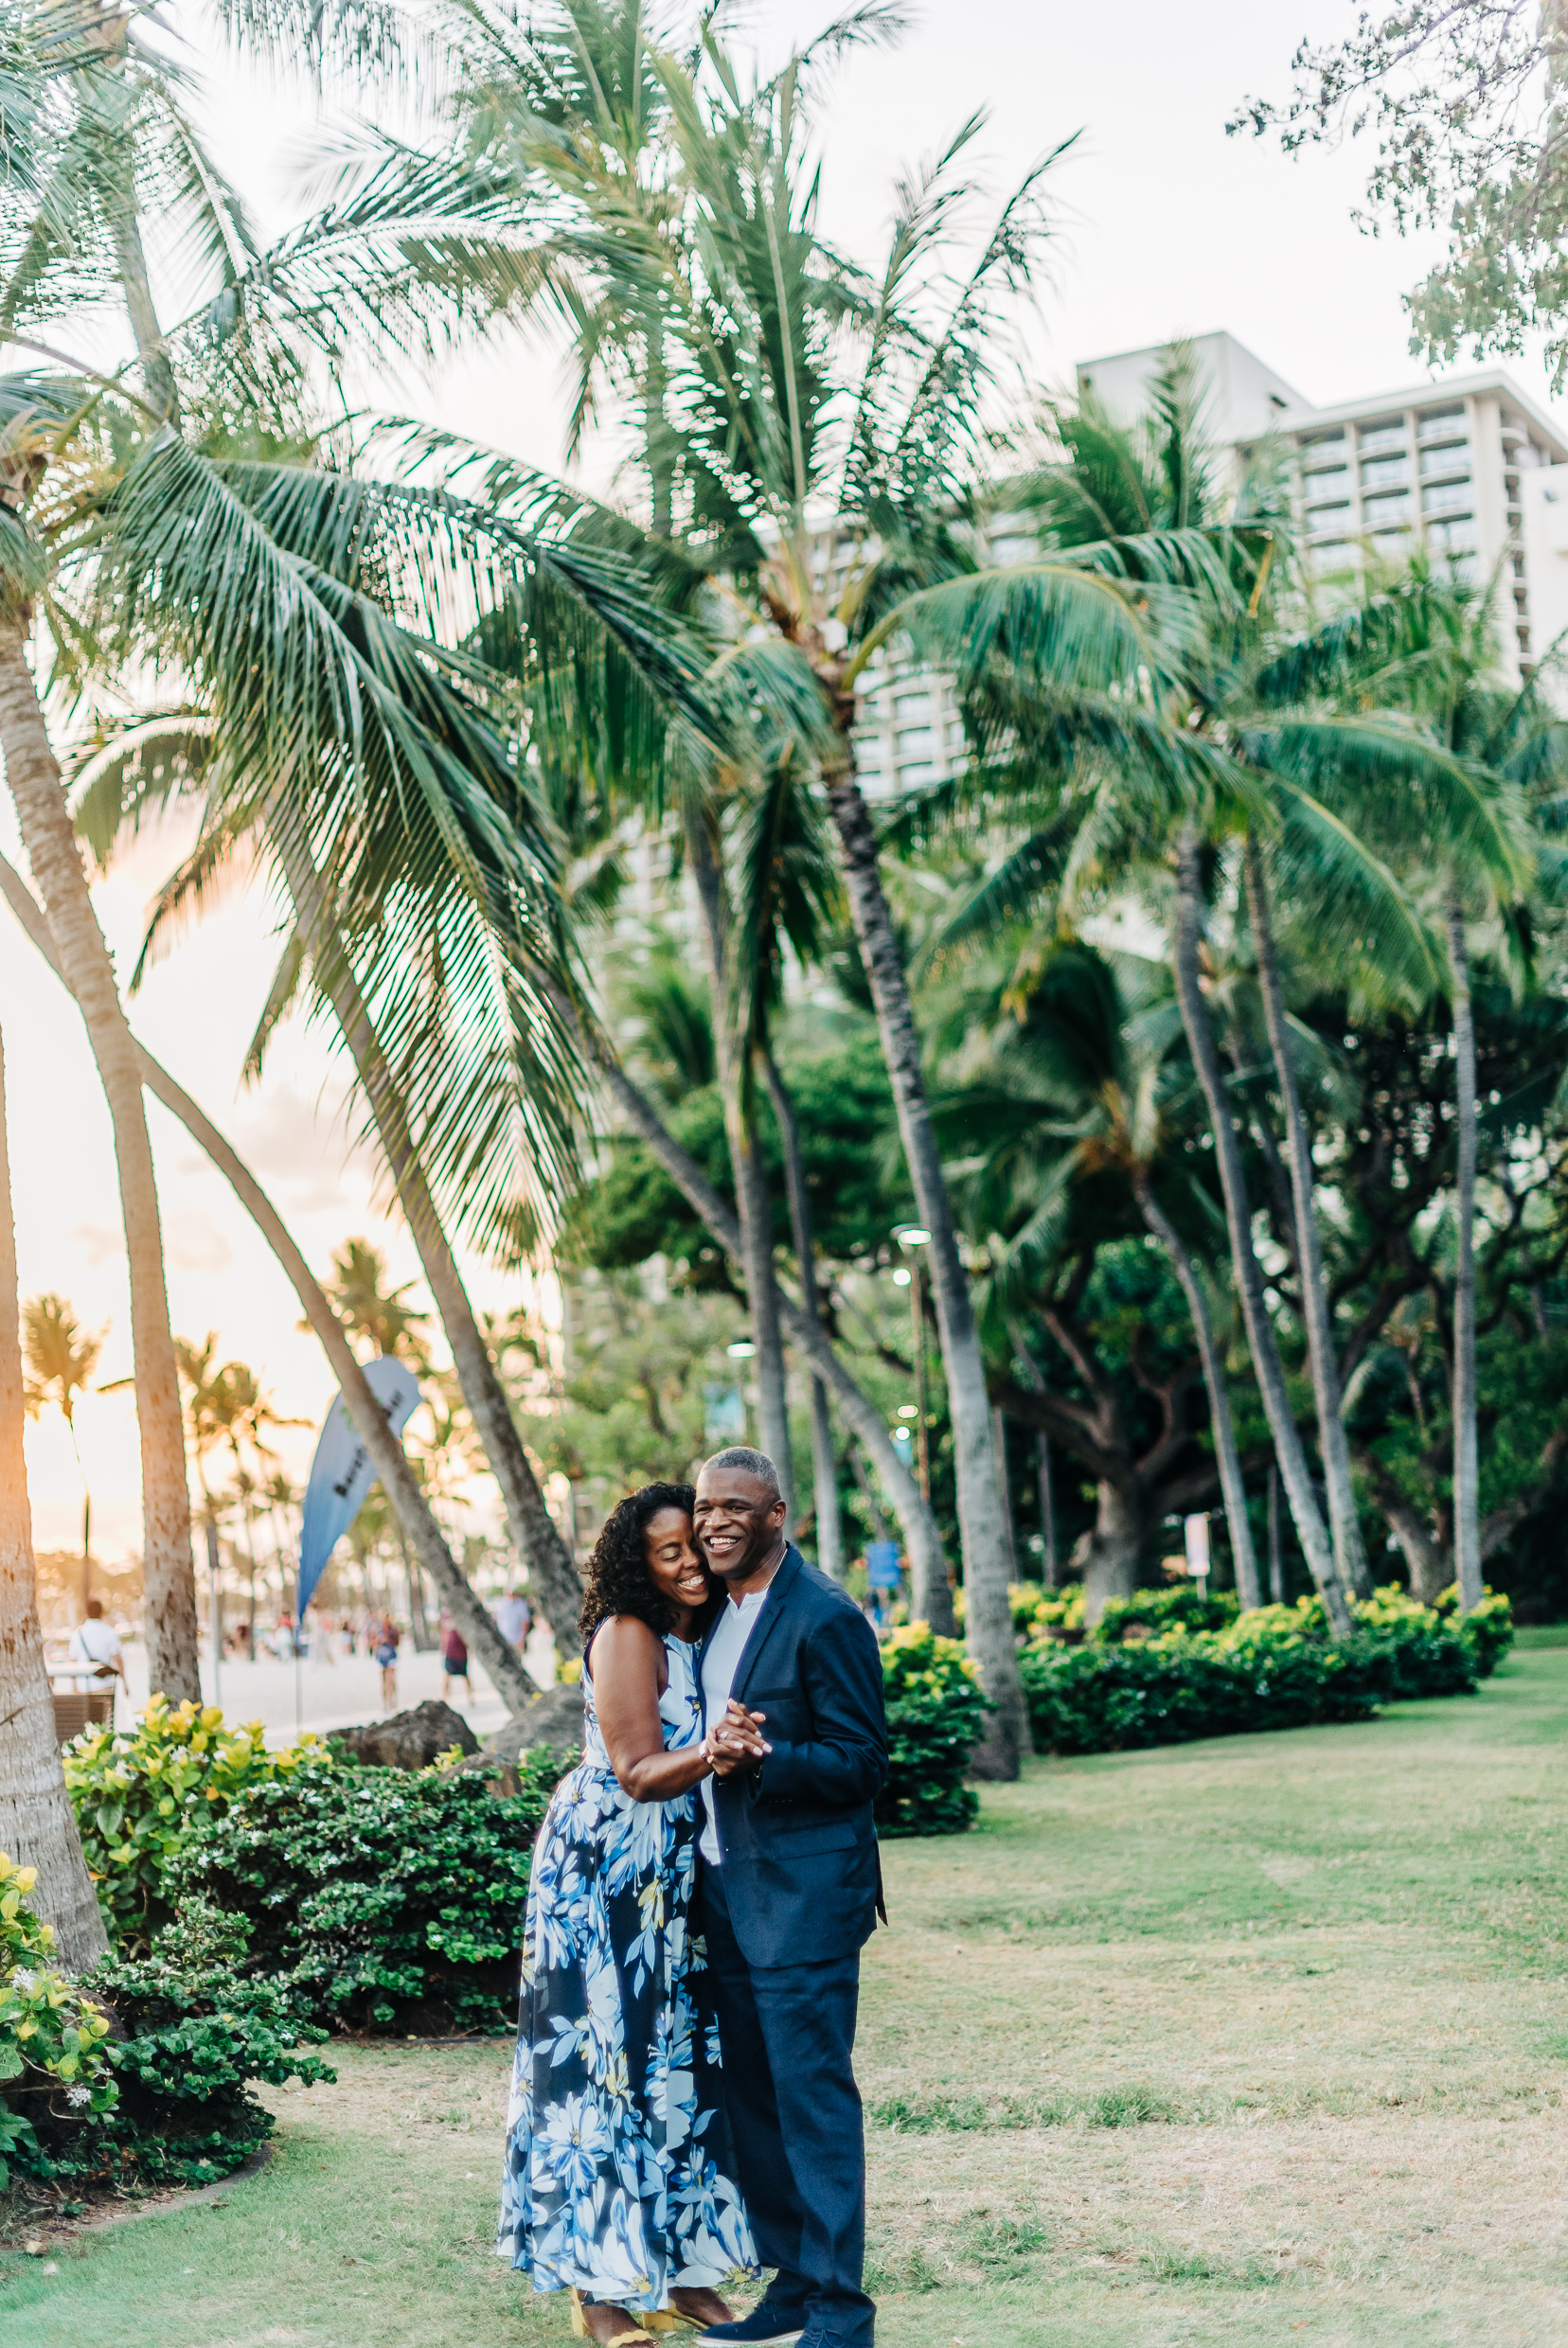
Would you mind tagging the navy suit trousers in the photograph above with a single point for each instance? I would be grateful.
(787, 2032)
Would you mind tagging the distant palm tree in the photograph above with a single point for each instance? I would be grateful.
(370, 1308)
(60, 1357)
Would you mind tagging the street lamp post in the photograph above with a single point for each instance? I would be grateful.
(912, 1238)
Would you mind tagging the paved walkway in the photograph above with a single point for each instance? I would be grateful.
(338, 1695)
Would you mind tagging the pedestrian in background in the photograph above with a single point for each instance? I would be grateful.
(454, 1660)
(385, 1637)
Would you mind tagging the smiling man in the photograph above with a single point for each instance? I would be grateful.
(792, 1700)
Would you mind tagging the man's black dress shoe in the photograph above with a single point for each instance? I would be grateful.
(765, 2327)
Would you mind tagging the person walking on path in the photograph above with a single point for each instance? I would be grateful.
(788, 1894)
(385, 1638)
(513, 1616)
(618, 2181)
(455, 1659)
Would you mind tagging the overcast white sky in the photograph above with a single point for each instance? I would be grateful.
(1167, 228)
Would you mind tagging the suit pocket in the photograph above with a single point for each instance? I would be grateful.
(805, 1841)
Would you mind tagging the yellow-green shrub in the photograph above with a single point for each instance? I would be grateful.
(137, 1795)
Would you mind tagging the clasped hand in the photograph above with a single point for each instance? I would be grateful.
(736, 1742)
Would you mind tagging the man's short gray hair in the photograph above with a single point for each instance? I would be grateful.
(756, 1463)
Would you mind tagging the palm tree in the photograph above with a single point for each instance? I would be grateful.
(60, 1357)
(1070, 1085)
(369, 1308)
(1251, 745)
(69, 189)
(1427, 643)
(684, 240)
(420, 1529)
(37, 1825)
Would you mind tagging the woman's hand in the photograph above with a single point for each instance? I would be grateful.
(736, 1742)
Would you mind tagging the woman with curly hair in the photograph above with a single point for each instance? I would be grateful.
(618, 2183)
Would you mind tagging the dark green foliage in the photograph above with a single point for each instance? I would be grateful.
(1168, 1691)
(1276, 1668)
(934, 1715)
(382, 1899)
(1183, 1607)
(853, 1175)
(199, 2026)
(175, 2107)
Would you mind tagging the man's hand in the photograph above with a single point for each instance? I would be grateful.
(736, 1742)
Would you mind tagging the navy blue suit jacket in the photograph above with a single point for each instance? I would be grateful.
(800, 1850)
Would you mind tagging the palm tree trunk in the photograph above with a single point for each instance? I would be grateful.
(749, 1175)
(980, 1526)
(1050, 1561)
(999, 1436)
(1350, 1551)
(1276, 1546)
(408, 1502)
(1467, 1499)
(37, 1827)
(830, 1525)
(1249, 1280)
(168, 1566)
(533, 1529)
(1224, 1428)
(922, 1539)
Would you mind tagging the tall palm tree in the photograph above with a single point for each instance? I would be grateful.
(60, 1357)
(1254, 748)
(1426, 641)
(711, 307)
(1068, 1086)
(37, 1825)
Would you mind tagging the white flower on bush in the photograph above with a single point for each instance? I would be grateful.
(79, 2096)
(23, 1980)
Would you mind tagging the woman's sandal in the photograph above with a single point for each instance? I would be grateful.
(580, 2331)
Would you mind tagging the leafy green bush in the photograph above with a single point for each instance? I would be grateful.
(137, 1796)
(165, 2102)
(378, 1898)
(1167, 1690)
(1489, 1626)
(936, 1711)
(198, 2028)
(1180, 1605)
(1275, 1668)
(54, 2064)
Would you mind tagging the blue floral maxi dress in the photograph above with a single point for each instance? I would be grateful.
(617, 2177)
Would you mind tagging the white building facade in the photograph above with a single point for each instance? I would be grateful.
(1457, 466)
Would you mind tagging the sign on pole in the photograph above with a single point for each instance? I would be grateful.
(1196, 1532)
(343, 1471)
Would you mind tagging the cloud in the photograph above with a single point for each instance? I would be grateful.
(98, 1242)
(195, 1243)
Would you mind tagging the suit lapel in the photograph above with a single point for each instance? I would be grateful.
(772, 1610)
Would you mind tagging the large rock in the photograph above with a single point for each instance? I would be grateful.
(409, 1740)
(554, 1718)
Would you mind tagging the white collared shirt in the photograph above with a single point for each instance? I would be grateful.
(725, 1648)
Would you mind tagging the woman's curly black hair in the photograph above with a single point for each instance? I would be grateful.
(618, 1579)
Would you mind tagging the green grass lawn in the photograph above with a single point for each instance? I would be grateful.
(1229, 2043)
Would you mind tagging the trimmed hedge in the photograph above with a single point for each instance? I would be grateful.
(935, 1712)
(1274, 1669)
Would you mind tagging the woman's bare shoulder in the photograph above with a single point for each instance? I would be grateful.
(624, 1642)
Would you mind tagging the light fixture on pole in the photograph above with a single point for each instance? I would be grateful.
(742, 1350)
(912, 1238)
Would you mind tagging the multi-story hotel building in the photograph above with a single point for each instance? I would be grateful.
(1450, 464)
